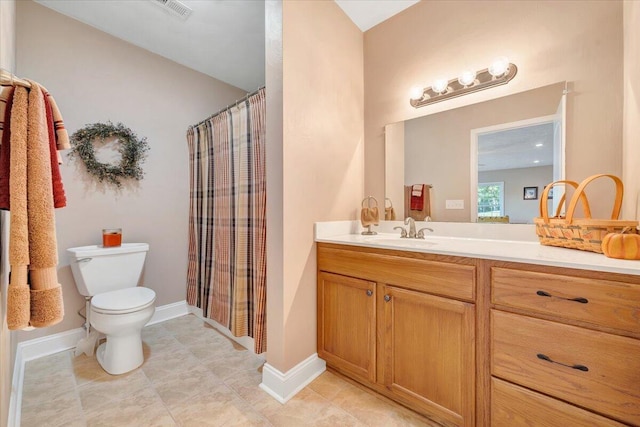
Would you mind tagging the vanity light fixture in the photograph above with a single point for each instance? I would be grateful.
(438, 86)
(500, 72)
(467, 78)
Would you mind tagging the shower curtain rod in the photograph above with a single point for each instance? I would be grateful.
(7, 78)
(247, 96)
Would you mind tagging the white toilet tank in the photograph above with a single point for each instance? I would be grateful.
(97, 269)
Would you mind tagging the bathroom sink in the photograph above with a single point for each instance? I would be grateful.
(403, 243)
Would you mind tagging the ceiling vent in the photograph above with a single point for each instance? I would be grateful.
(174, 7)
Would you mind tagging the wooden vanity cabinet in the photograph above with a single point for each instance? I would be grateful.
(403, 324)
(472, 342)
(347, 324)
(428, 353)
(564, 346)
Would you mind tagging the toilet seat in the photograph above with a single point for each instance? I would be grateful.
(123, 301)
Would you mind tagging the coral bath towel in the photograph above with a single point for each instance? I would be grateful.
(35, 298)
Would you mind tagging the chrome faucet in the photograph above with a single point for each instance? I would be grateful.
(412, 230)
(412, 227)
(403, 232)
(420, 234)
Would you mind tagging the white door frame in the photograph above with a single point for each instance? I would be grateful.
(473, 154)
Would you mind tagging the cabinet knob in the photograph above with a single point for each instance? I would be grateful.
(387, 298)
(369, 292)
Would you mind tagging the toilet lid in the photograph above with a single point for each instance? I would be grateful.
(123, 300)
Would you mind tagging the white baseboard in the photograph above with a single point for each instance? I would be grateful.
(283, 386)
(246, 342)
(67, 340)
(15, 400)
(169, 311)
(34, 349)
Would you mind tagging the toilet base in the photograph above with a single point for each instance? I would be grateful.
(117, 362)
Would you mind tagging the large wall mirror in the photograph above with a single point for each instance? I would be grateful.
(505, 150)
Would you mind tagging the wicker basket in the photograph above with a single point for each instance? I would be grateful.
(579, 233)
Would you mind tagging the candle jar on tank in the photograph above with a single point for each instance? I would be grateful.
(111, 237)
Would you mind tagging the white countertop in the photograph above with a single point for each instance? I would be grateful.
(503, 242)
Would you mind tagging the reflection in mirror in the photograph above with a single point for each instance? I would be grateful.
(514, 162)
(436, 150)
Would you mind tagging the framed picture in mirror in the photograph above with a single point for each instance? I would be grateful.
(530, 193)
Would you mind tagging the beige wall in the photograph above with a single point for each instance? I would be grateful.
(274, 159)
(322, 161)
(580, 42)
(437, 146)
(631, 131)
(7, 345)
(94, 78)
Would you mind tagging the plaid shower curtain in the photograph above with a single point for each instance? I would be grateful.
(226, 274)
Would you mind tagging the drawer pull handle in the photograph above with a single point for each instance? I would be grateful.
(577, 299)
(548, 359)
(387, 298)
(369, 292)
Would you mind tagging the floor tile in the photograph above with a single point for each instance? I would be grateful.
(107, 390)
(87, 369)
(47, 366)
(143, 408)
(61, 410)
(166, 365)
(206, 409)
(184, 385)
(47, 387)
(192, 375)
(328, 385)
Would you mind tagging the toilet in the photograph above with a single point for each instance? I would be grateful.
(119, 308)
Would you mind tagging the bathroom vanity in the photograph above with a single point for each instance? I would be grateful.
(482, 332)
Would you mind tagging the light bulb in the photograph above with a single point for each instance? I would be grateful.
(416, 93)
(499, 66)
(439, 85)
(467, 77)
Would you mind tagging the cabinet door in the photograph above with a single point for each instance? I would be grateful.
(346, 324)
(429, 353)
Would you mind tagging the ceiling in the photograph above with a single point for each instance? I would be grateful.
(516, 148)
(369, 13)
(221, 38)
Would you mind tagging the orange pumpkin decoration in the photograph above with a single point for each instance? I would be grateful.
(621, 245)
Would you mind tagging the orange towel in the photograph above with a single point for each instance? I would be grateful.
(369, 216)
(35, 296)
(58, 140)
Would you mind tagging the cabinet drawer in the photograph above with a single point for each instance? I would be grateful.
(595, 370)
(435, 277)
(598, 302)
(515, 406)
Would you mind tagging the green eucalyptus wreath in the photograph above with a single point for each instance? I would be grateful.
(132, 150)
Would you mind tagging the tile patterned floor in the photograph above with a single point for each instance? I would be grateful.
(192, 376)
